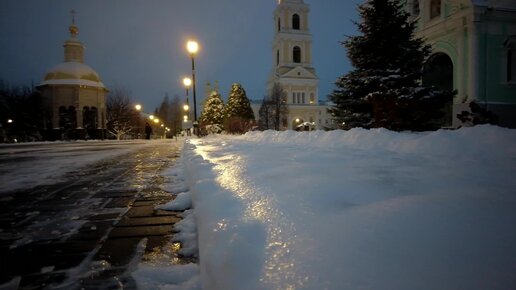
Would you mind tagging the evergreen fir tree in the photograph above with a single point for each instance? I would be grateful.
(384, 88)
(213, 111)
(239, 114)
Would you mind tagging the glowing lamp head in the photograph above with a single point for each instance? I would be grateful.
(186, 107)
(297, 120)
(151, 117)
(192, 47)
(156, 120)
(187, 82)
(138, 107)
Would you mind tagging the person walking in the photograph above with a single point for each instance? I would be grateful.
(148, 131)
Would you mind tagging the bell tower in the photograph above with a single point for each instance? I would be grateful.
(292, 53)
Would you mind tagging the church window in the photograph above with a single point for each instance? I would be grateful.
(296, 54)
(89, 116)
(415, 8)
(435, 8)
(295, 22)
(510, 65)
(67, 117)
(510, 60)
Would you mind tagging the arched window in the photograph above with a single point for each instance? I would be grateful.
(435, 8)
(295, 22)
(67, 117)
(438, 72)
(89, 118)
(296, 53)
(510, 60)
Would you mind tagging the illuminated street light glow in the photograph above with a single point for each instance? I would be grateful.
(156, 120)
(151, 117)
(138, 107)
(192, 46)
(187, 82)
(186, 107)
(9, 121)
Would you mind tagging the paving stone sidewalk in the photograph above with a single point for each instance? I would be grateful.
(88, 231)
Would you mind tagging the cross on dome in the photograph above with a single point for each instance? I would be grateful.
(74, 30)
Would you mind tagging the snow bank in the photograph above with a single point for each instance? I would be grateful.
(358, 209)
(466, 141)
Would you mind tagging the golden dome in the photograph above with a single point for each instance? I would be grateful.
(72, 73)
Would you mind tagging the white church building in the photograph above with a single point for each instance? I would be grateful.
(292, 68)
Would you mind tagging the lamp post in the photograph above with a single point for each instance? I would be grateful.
(187, 82)
(193, 47)
(138, 108)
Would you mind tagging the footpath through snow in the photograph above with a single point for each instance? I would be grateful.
(358, 209)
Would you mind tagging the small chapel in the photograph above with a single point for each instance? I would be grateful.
(74, 97)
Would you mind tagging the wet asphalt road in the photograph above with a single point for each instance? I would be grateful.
(88, 230)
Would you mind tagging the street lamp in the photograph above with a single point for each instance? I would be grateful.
(138, 107)
(193, 47)
(187, 82)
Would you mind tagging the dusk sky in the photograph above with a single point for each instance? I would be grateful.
(139, 46)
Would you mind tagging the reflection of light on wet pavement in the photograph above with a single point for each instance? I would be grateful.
(280, 268)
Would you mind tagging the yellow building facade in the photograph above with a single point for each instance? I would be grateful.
(74, 97)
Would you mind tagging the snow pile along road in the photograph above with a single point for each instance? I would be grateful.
(358, 209)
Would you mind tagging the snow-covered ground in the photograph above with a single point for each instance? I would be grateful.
(358, 209)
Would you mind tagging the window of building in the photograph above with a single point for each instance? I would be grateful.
(277, 57)
(435, 8)
(279, 24)
(312, 99)
(303, 98)
(293, 98)
(510, 60)
(415, 7)
(295, 22)
(296, 54)
(510, 65)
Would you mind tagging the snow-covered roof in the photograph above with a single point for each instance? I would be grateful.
(72, 73)
(74, 82)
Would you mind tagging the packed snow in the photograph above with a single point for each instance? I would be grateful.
(358, 209)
